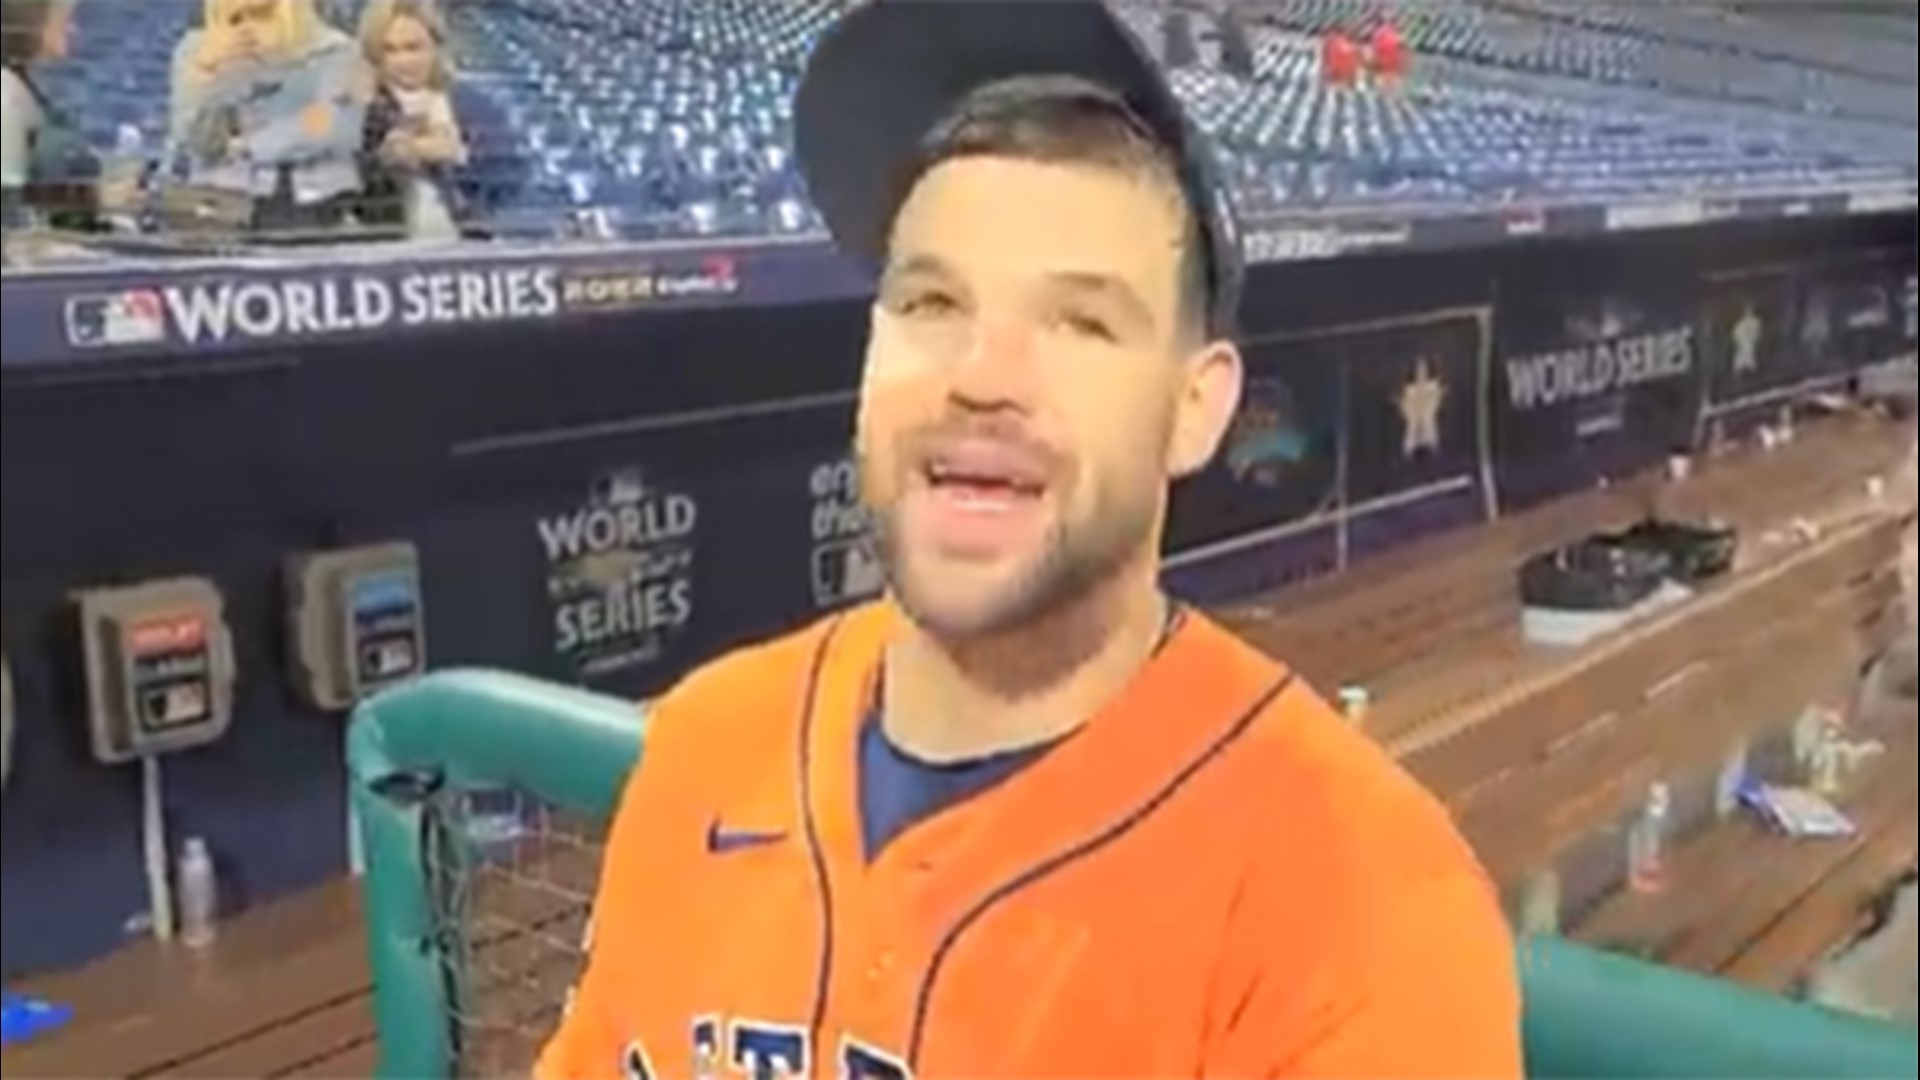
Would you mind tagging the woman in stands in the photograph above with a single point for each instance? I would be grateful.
(267, 112)
(46, 171)
(439, 158)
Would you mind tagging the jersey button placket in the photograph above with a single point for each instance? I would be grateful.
(878, 995)
(880, 966)
(901, 909)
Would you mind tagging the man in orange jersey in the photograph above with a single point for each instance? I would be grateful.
(1027, 818)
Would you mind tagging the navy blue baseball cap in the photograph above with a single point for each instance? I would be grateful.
(884, 76)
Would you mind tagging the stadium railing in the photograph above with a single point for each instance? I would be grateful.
(481, 798)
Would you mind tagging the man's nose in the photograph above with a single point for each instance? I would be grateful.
(998, 366)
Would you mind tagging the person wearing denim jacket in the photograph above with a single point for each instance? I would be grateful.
(438, 156)
(269, 101)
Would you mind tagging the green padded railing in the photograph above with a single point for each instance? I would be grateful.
(1589, 1015)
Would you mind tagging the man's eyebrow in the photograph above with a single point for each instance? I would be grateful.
(1107, 286)
(1084, 282)
(916, 265)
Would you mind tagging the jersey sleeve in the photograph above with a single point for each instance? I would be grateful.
(587, 1044)
(1420, 982)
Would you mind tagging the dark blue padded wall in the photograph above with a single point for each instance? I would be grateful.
(513, 454)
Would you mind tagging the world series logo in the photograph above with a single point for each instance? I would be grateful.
(620, 573)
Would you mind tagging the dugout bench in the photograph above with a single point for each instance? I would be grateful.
(1545, 755)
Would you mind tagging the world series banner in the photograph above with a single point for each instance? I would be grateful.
(1415, 428)
(188, 306)
(1594, 379)
(651, 570)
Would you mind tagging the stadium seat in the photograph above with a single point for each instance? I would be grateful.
(670, 118)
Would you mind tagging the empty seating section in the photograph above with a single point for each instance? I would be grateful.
(673, 118)
(1481, 131)
(659, 119)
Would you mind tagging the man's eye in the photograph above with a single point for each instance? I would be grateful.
(927, 303)
(1083, 325)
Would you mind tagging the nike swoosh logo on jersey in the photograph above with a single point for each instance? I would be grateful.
(724, 841)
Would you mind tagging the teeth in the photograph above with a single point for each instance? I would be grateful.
(940, 475)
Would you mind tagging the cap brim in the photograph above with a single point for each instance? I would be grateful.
(882, 77)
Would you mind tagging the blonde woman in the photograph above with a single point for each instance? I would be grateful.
(268, 101)
(438, 157)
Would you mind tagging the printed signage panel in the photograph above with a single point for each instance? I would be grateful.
(1595, 378)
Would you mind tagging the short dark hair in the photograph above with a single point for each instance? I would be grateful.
(1059, 119)
(23, 26)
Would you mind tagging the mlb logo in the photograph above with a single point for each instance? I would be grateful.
(136, 317)
(845, 572)
(722, 270)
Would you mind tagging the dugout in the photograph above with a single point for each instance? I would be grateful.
(537, 429)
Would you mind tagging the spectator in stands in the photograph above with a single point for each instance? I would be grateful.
(46, 171)
(438, 156)
(268, 104)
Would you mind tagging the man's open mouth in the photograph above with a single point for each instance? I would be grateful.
(978, 483)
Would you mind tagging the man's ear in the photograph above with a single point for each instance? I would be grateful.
(1212, 381)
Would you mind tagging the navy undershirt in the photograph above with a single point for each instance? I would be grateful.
(898, 790)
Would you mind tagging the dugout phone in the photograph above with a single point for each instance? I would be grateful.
(357, 622)
(159, 667)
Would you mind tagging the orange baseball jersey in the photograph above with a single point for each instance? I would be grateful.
(1215, 877)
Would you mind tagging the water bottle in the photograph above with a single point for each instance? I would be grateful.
(1829, 778)
(199, 895)
(1647, 842)
(1355, 703)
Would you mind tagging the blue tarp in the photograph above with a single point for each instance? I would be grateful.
(22, 1020)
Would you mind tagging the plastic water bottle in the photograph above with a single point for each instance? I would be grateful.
(1355, 703)
(199, 895)
(1647, 843)
(1829, 762)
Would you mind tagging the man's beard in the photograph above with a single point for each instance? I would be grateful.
(1074, 561)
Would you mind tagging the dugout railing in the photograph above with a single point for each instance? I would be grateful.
(480, 798)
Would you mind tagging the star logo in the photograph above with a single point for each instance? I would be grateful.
(1747, 334)
(1420, 403)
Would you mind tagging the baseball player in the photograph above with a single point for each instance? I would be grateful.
(1027, 817)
